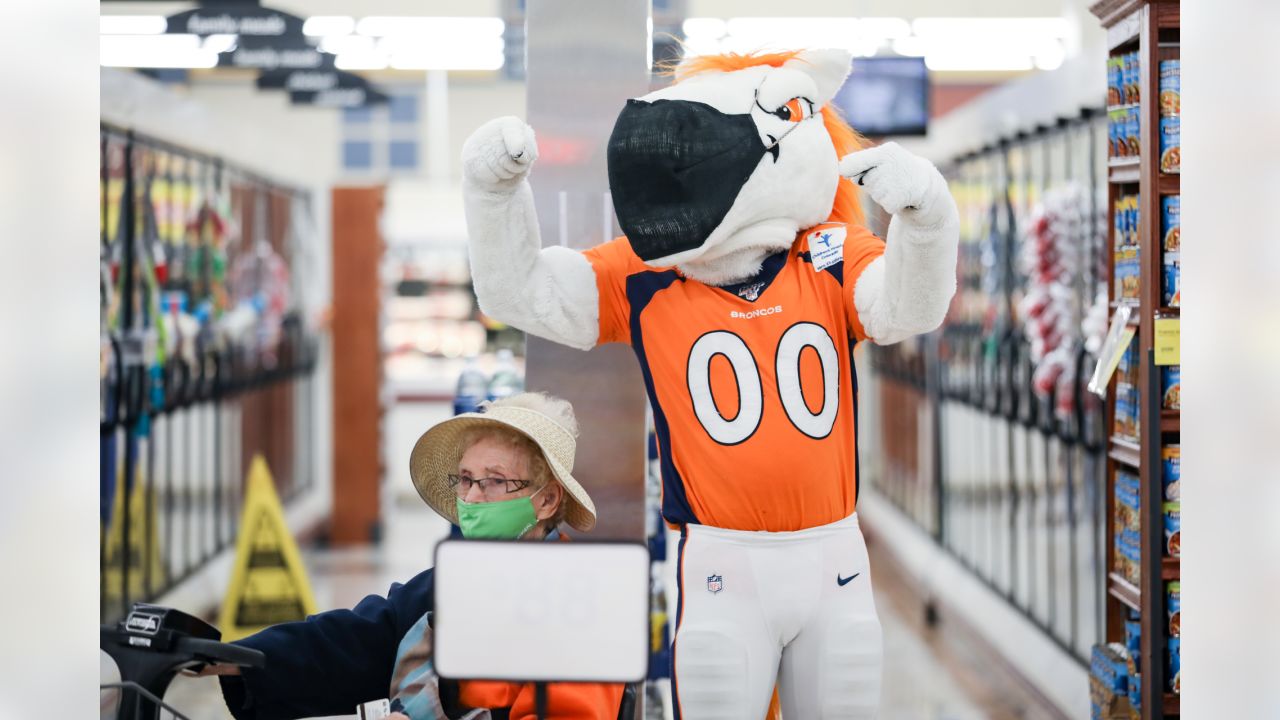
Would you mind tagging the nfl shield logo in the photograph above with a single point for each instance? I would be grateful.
(715, 584)
(751, 292)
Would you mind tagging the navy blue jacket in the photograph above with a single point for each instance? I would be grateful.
(330, 662)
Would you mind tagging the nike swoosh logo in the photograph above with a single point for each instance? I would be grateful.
(845, 581)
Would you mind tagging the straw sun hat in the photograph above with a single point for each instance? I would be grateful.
(437, 452)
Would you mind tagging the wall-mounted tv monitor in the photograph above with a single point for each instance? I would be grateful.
(886, 96)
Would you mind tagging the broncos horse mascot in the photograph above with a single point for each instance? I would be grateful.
(743, 282)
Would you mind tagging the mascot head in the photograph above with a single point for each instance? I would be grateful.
(723, 168)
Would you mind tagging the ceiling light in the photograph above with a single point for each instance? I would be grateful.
(889, 28)
(712, 28)
(219, 43)
(447, 59)
(131, 24)
(432, 27)
(155, 51)
(976, 59)
(329, 25)
(343, 44)
(910, 46)
(997, 29)
(361, 60)
(1051, 56)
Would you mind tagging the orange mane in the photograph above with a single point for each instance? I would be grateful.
(846, 208)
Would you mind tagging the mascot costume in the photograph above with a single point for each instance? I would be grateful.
(743, 281)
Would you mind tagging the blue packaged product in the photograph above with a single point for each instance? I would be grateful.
(1171, 222)
(1172, 285)
(1132, 637)
(1175, 665)
(1133, 126)
(1116, 124)
(1170, 87)
(1131, 77)
(1173, 529)
(1171, 470)
(1173, 603)
(1114, 92)
(1108, 666)
(1135, 692)
(1171, 144)
(1171, 388)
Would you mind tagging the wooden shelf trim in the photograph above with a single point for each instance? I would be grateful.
(1169, 183)
(1124, 591)
(1172, 704)
(1171, 421)
(1171, 568)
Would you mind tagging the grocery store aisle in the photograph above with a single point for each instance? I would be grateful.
(928, 675)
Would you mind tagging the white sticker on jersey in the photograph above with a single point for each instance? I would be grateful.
(826, 247)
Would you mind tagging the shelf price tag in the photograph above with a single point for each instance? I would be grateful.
(1113, 347)
(1167, 342)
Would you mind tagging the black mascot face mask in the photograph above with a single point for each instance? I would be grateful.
(675, 169)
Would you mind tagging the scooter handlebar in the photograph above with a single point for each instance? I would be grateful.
(212, 651)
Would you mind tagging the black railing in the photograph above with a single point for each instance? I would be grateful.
(1012, 481)
(179, 428)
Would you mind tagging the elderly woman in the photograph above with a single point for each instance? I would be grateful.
(503, 473)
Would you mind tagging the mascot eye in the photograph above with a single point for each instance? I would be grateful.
(795, 110)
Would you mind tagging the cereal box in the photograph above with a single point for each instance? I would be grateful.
(1173, 606)
(1175, 665)
(1171, 222)
(1171, 470)
(1115, 89)
(1171, 144)
(1171, 388)
(1170, 87)
(1171, 286)
(1173, 529)
(1133, 125)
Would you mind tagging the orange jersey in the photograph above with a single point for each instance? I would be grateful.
(752, 386)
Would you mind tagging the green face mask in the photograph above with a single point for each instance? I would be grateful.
(501, 520)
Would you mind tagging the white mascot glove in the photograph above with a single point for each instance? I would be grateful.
(900, 182)
(548, 292)
(499, 154)
(908, 290)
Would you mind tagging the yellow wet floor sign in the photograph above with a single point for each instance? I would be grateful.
(268, 583)
(144, 539)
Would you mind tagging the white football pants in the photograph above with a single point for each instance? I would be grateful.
(791, 606)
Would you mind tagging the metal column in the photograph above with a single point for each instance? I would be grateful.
(584, 59)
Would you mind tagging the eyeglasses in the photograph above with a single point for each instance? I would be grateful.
(489, 487)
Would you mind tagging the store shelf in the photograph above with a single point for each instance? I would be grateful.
(1168, 311)
(1169, 183)
(1171, 421)
(1172, 704)
(1124, 591)
(1124, 171)
(1171, 568)
(1126, 452)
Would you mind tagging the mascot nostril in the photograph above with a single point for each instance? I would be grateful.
(675, 169)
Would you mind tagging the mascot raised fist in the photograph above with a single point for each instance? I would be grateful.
(744, 280)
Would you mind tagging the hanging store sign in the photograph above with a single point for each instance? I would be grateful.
(309, 80)
(243, 20)
(338, 98)
(268, 58)
(289, 52)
